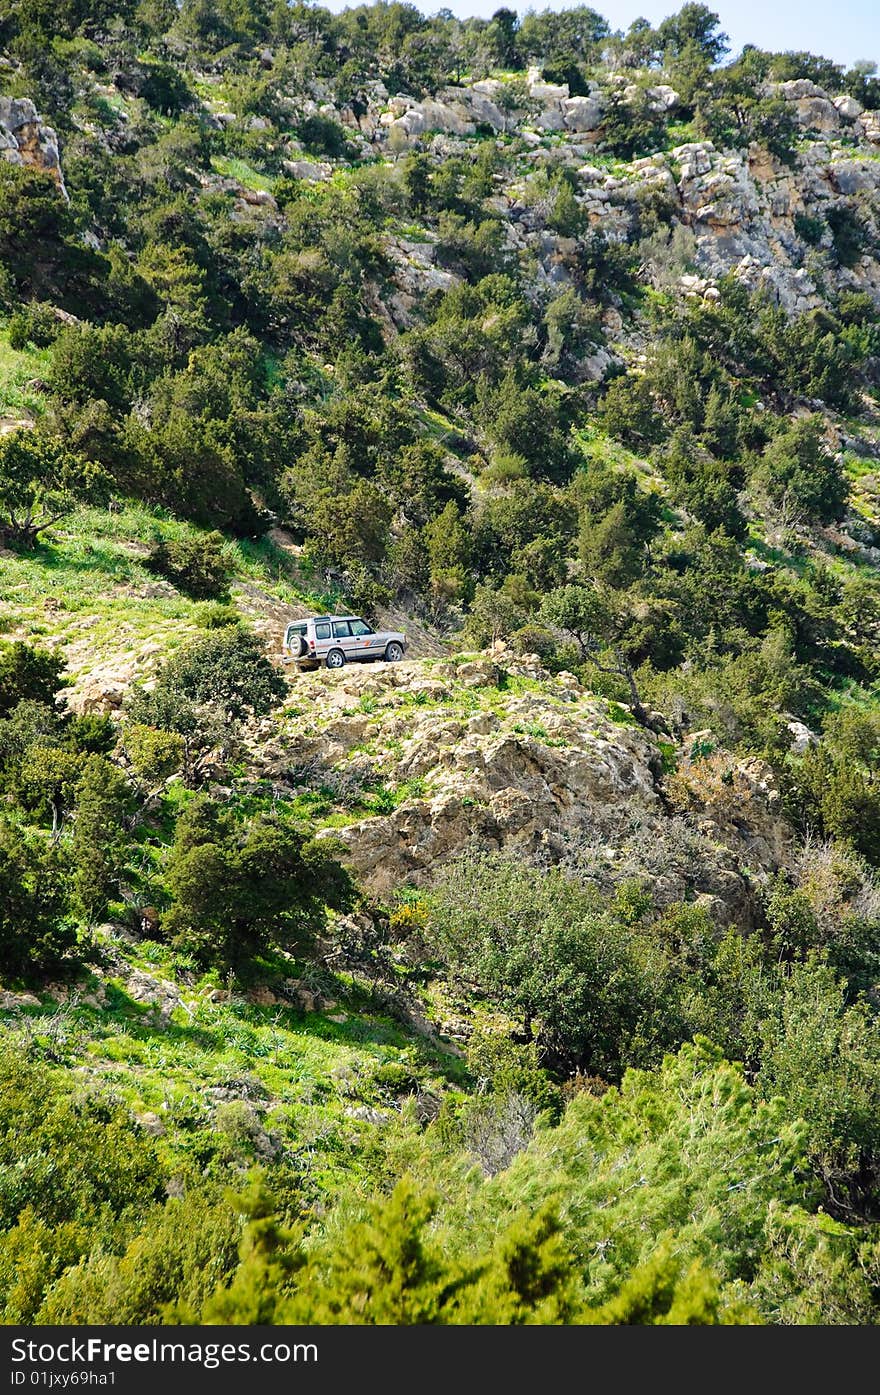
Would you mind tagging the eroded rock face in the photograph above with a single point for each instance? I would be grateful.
(522, 769)
(492, 752)
(25, 140)
(742, 211)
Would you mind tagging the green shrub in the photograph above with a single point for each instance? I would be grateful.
(36, 323)
(199, 566)
(36, 935)
(28, 674)
(809, 229)
(800, 473)
(237, 891)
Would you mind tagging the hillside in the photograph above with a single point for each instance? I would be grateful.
(534, 978)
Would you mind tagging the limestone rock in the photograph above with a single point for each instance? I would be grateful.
(798, 89)
(314, 171)
(543, 91)
(848, 107)
(663, 98)
(802, 738)
(12, 1001)
(25, 140)
(818, 114)
(869, 122)
(582, 113)
(437, 116)
(151, 1124)
(479, 102)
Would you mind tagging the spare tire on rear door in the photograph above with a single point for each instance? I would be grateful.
(298, 646)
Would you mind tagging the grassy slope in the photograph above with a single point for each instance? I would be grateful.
(235, 1079)
(86, 588)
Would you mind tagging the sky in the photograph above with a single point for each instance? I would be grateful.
(844, 30)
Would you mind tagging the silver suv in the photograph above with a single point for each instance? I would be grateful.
(339, 639)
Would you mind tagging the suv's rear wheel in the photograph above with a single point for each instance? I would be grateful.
(394, 652)
(335, 659)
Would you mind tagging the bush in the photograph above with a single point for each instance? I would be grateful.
(28, 674)
(323, 136)
(239, 890)
(182, 1251)
(98, 845)
(41, 481)
(153, 755)
(214, 615)
(199, 566)
(545, 950)
(210, 686)
(82, 1160)
(809, 229)
(849, 233)
(35, 324)
(36, 936)
(800, 473)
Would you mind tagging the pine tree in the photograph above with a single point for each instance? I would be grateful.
(99, 835)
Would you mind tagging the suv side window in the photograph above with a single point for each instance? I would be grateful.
(322, 631)
(359, 627)
(341, 629)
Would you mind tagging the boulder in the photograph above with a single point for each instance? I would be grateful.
(800, 88)
(663, 98)
(543, 91)
(308, 169)
(582, 113)
(802, 738)
(151, 1124)
(477, 101)
(10, 1002)
(869, 124)
(550, 120)
(437, 116)
(848, 107)
(818, 114)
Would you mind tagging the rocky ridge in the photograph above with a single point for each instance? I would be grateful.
(424, 760)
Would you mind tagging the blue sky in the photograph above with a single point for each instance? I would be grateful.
(845, 31)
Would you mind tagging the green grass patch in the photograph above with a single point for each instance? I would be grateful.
(18, 368)
(231, 167)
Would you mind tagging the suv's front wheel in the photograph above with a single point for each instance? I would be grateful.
(335, 659)
(394, 652)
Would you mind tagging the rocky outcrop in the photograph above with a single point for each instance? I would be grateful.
(26, 140)
(490, 783)
(472, 761)
(745, 208)
(581, 113)
(412, 118)
(742, 211)
(315, 171)
(813, 108)
(493, 752)
(414, 276)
